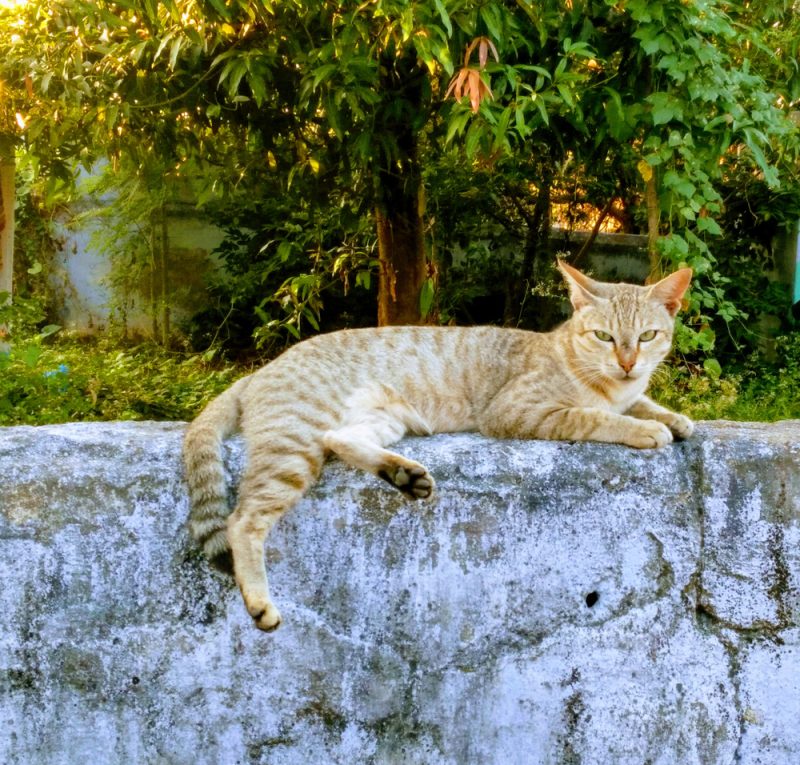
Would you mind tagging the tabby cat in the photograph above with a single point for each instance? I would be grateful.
(355, 392)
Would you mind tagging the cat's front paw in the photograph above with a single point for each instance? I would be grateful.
(411, 478)
(649, 435)
(681, 427)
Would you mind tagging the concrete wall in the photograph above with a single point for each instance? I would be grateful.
(82, 275)
(557, 603)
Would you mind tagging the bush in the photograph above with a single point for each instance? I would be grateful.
(753, 390)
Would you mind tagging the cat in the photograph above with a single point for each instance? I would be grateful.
(352, 393)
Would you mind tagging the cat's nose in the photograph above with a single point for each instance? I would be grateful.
(627, 363)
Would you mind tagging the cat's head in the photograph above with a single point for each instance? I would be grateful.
(623, 331)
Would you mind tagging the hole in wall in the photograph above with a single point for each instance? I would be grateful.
(592, 598)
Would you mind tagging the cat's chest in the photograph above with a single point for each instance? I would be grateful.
(615, 397)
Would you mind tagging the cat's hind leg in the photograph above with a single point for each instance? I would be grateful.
(374, 418)
(248, 527)
(272, 484)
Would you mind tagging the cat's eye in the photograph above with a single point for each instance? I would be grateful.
(604, 336)
(646, 337)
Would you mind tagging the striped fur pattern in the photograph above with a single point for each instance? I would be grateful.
(354, 393)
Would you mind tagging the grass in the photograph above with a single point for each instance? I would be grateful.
(46, 381)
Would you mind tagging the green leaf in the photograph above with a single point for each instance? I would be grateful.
(48, 330)
(709, 225)
(407, 22)
(538, 101)
(323, 73)
(444, 16)
(474, 136)
(284, 250)
(502, 123)
(566, 95)
(519, 121)
(165, 40)
(665, 108)
(30, 355)
(457, 123)
(310, 318)
(490, 14)
(233, 71)
(219, 7)
(174, 51)
(754, 139)
(364, 279)
(712, 368)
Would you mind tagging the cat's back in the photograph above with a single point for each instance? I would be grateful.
(395, 353)
(429, 366)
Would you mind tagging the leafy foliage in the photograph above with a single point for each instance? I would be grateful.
(356, 102)
(292, 263)
(753, 390)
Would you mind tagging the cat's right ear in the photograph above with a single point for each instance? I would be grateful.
(581, 288)
(671, 289)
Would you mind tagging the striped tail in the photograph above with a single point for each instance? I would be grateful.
(205, 473)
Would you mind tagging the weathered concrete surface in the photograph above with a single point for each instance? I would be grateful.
(457, 631)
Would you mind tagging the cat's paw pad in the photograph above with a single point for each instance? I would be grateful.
(266, 616)
(651, 435)
(411, 478)
(681, 427)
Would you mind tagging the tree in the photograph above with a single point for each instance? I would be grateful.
(354, 96)
(331, 83)
(353, 89)
(664, 89)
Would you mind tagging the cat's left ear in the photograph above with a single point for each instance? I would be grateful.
(671, 289)
(582, 290)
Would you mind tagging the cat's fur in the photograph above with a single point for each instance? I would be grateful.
(355, 392)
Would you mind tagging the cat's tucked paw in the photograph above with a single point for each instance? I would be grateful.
(681, 427)
(265, 615)
(410, 478)
(650, 435)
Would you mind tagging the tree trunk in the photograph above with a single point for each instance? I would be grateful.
(399, 196)
(653, 221)
(6, 224)
(401, 252)
(166, 328)
(535, 256)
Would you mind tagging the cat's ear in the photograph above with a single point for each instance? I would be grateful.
(671, 289)
(583, 291)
